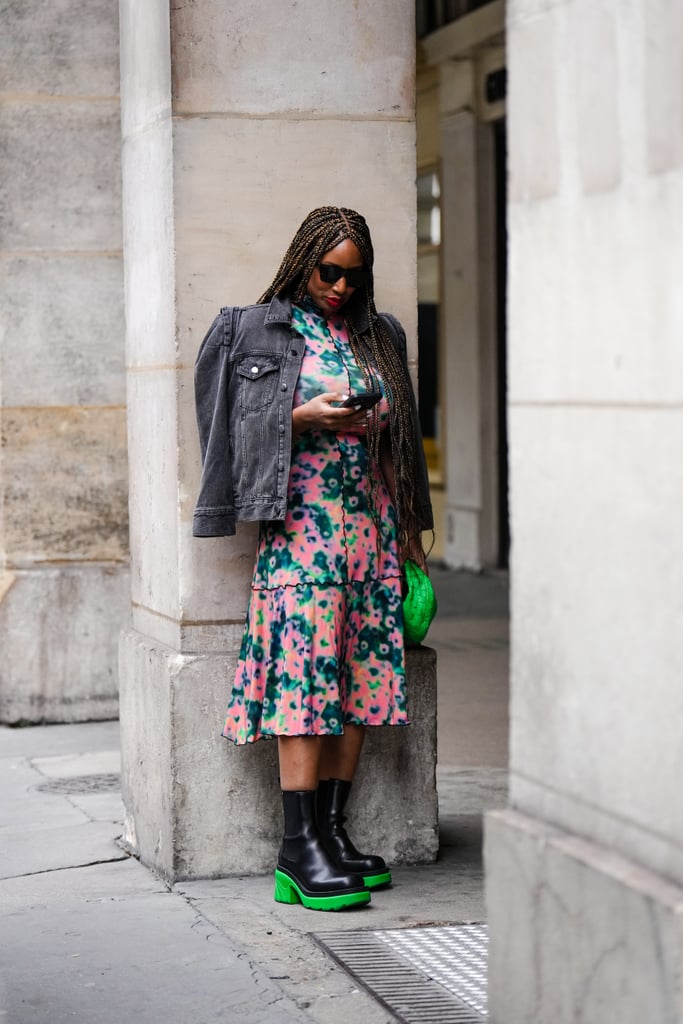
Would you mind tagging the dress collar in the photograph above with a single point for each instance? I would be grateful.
(280, 312)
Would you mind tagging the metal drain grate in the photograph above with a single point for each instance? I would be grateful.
(421, 975)
(103, 783)
(456, 956)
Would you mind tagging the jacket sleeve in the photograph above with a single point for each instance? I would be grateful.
(214, 514)
(423, 503)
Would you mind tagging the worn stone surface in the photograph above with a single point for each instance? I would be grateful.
(604, 324)
(65, 846)
(153, 460)
(146, 752)
(53, 740)
(661, 40)
(601, 498)
(534, 158)
(598, 128)
(198, 806)
(148, 231)
(228, 251)
(46, 831)
(473, 659)
(145, 64)
(25, 809)
(582, 339)
(577, 932)
(63, 490)
(179, 579)
(73, 766)
(63, 330)
(42, 51)
(59, 629)
(64, 484)
(215, 47)
(596, 430)
(61, 187)
(76, 925)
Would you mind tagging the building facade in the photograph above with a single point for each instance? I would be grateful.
(63, 475)
(547, 212)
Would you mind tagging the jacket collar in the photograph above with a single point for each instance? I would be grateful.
(280, 312)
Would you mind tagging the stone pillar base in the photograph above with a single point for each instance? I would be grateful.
(60, 629)
(198, 807)
(462, 548)
(577, 932)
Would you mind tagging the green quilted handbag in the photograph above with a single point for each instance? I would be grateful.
(419, 604)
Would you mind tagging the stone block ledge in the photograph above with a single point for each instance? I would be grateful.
(198, 807)
(577, 931)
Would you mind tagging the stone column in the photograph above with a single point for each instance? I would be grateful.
(63, 485)
(585, 870)
(468, 324)
(234, 126)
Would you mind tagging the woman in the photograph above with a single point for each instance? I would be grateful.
(341, 492)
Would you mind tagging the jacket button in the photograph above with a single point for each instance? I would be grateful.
(284, 387)
(254, 369)
(282, 429)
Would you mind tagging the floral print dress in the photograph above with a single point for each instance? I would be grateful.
(323, 639)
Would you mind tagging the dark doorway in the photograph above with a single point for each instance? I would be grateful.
(427, 334)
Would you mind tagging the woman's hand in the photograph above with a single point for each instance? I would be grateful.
(321, 414)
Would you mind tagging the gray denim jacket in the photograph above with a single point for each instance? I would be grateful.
(245, 378)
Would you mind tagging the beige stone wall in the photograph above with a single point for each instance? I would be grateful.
(63, 487)
(586, 875)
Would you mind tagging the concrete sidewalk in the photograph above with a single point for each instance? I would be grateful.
(89, 935)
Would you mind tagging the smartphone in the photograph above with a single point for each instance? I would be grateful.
(365, 400)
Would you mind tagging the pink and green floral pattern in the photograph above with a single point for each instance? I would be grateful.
(323, 640)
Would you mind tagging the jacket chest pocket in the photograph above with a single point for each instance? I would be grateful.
(258, 377)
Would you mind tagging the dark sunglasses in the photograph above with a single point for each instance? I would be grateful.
(356, 277)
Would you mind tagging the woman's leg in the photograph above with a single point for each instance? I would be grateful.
(340, 754)
(305, 872)
(299, 761)
(338, 763)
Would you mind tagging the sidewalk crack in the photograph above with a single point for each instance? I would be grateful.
(67, 867)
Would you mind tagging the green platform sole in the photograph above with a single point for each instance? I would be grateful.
(287, 891)
(376, 881)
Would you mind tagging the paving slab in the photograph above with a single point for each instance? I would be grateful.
(53, 849)
(110, 943)
(473, 691)
(72, 766)
(100, 807)
(464, 595)
(43, 830)
(47, 740)
(24, 807)
(467, 791)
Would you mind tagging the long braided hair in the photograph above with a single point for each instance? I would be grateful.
(322, 230)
